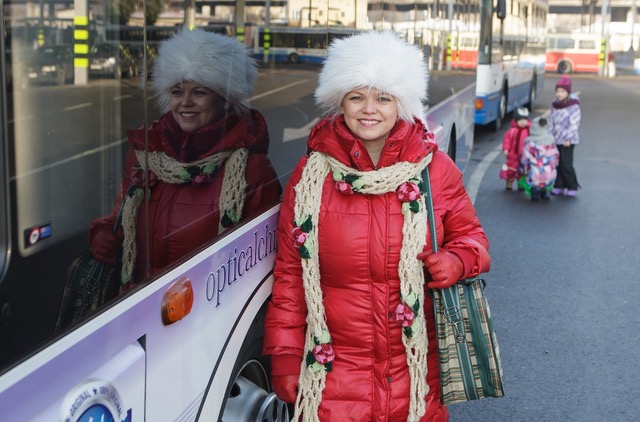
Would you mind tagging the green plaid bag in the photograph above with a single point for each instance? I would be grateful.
(470, 365)
(90, 284)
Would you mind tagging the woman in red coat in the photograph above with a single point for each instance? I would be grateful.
(353, 248)
(204, 162)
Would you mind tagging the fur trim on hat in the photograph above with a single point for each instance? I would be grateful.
(377, 60)
(215, 61)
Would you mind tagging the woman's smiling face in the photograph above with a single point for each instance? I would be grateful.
(370, 114)
(194, 106)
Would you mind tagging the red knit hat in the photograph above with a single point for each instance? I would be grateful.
(564, 83)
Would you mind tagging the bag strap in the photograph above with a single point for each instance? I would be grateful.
(450, 298)
(428, 200)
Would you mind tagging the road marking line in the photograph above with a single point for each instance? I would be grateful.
(293, 133)
(75, 107)
(264, 94)
(480, 170)
(78, 156)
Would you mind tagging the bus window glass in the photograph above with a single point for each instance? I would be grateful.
(486, 27)
(69, 104)
(565, 43)
(66, 129)
(586, 44)
(551, 43)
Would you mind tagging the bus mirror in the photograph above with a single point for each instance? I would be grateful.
(501, 9)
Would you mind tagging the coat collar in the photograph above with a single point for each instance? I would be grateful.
(248, 130)
(406, 142)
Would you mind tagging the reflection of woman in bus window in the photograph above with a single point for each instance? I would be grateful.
(350, 327)
(206, 158)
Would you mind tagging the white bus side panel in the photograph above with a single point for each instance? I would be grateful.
(456, 111)
(180, 358)
(489, 79)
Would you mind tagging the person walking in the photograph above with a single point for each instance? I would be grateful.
(203, 163)
(512, 144)
(539, 160)
(564, 122)
(355, 264)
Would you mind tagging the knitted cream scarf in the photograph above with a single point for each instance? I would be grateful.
(318, 353)
(170, 170)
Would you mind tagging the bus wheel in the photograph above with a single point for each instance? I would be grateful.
(565, 67)
(532, 94)
(248, 399)
(294, 58)
(502, 112)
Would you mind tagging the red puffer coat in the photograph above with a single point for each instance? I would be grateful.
(360, 237)
(513, 142)
(185, 216)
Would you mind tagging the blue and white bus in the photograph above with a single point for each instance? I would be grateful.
(501, 42)
(511, 58)
(284, 44)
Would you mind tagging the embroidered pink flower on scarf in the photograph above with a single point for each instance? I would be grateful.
(202, 179)
(408, 192)
(323, 353)
(344, 187)
(299, 236)
(404, 315)
(138, 180)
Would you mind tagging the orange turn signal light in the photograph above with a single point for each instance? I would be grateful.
(177, 301)
(479, 103)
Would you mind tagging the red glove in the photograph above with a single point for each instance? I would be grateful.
(445, 268)
(285, 387)
(285, 371)
(105, 246)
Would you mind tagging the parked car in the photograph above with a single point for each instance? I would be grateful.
(50, 64)
(112, 59)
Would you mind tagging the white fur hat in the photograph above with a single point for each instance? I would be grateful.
(213, 60)
(378, 60)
